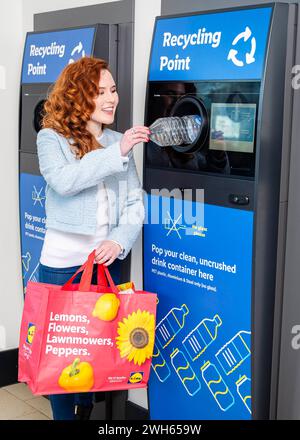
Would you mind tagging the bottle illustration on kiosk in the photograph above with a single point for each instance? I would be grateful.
(170, 325)
(185, 372)
(159, 365)
(243, 386)
(235, 351)
(217, 386)
(197, 341)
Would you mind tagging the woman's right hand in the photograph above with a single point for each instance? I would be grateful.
(133, 136)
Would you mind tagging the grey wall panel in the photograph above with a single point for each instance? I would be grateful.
(266, 219)
(289, 372)
(284, 189)
(178, 7)
(115, 12)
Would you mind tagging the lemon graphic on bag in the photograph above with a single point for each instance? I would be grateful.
(106, 307)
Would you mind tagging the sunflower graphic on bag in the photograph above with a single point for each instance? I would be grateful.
(136, 334)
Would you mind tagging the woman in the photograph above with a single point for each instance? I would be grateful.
(93, 194)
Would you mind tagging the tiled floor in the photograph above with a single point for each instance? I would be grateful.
(18, 403)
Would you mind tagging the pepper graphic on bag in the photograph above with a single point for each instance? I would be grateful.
(78, 376)
(81, 337)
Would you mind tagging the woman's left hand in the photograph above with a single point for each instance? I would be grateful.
(107, 252)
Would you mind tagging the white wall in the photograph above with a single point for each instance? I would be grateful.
(11, 298)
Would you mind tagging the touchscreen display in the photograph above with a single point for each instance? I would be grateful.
(232, 127)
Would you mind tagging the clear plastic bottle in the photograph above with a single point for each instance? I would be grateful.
(175, 130)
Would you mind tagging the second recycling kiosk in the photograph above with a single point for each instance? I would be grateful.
(45, 56)
(213, 261)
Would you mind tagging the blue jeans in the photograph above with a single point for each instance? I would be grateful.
(63, 405)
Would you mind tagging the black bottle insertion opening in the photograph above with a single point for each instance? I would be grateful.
(203, 126)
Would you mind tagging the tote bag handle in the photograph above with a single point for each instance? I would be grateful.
(103, 276)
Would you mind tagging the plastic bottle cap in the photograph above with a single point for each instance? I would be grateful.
(241, 380)
(204, 366)
(185, 309)
(218, 320)
(174, 352)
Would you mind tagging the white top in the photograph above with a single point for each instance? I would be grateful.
(65, 249)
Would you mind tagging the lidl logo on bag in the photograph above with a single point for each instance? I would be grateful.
(136, 377)
(30, 333)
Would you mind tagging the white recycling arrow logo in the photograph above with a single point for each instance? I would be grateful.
(232, 56)
(77, 49)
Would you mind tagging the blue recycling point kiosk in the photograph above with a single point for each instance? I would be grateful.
(210, 238)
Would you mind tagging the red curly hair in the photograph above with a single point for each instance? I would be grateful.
(70, 103)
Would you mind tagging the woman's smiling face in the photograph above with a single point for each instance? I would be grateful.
(107, 100)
